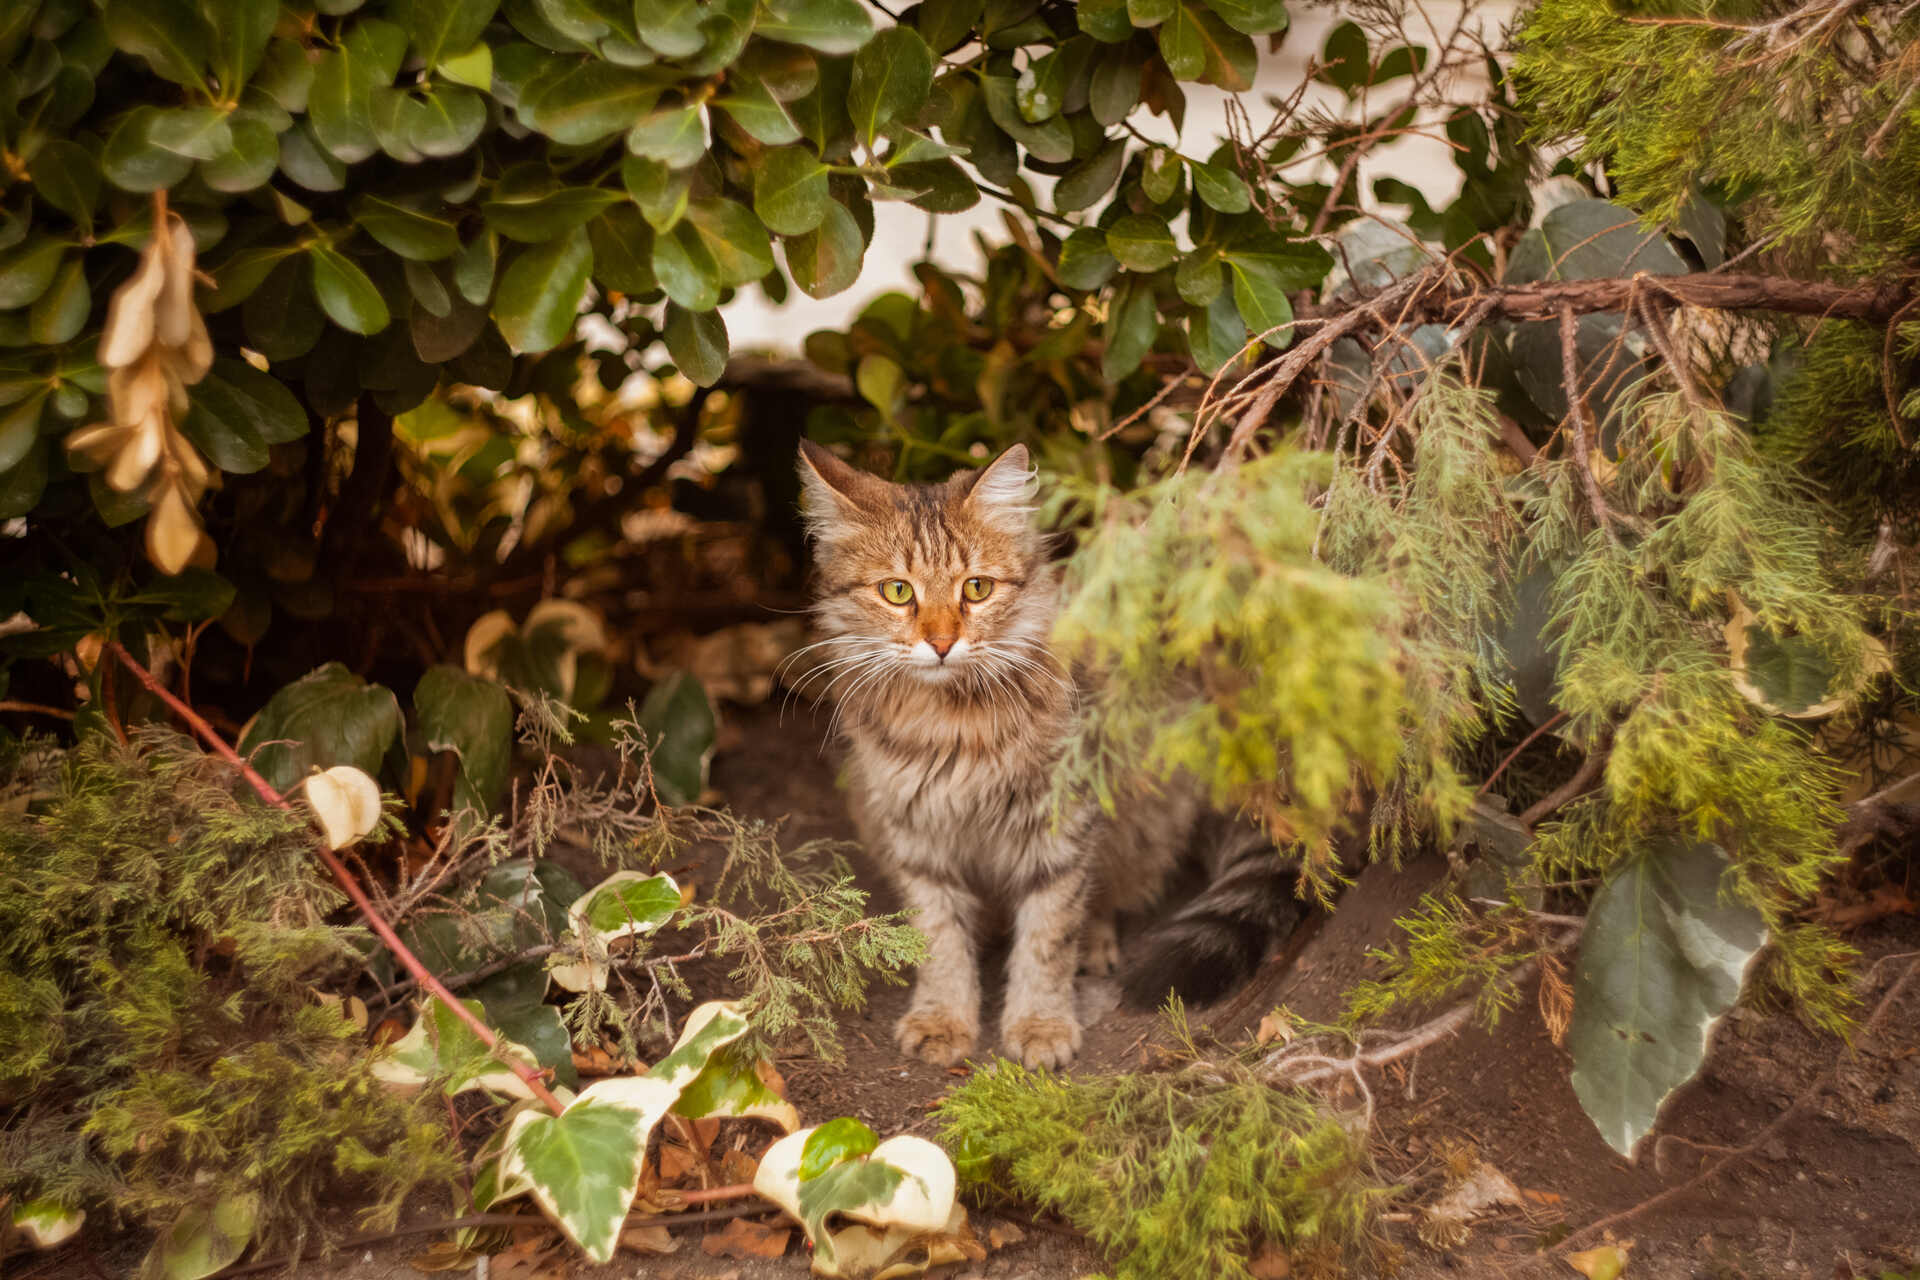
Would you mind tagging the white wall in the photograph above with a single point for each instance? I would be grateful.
(900, 230)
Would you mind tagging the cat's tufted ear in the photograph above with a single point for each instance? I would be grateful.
(835, 492)
(1004, 489)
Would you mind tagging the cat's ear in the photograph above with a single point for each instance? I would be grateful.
(1004, 489)
(835, 492)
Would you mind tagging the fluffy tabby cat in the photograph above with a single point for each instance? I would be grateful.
(936, 603)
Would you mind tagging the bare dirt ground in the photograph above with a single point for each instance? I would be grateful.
(1837, 1194)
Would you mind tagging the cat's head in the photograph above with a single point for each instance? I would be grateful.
(944, 583)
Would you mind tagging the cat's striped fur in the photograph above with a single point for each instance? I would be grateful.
(956, 716)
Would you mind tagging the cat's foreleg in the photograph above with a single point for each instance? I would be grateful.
(1039, 1026)
(943, 1022)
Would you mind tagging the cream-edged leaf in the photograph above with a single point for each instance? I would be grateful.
(625, 903)
(345, 802)
(47, 1224)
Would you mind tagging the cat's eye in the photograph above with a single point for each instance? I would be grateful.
(896, 591)
(977, 589)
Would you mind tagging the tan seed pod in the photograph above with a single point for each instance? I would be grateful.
(130, 314)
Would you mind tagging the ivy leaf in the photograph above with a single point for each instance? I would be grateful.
(681, 726)
(890, 1192)
(892, 75)
(541, 292)
(697, 341)
(733, 1084)
(1661, 962)
(583, 1165)
(345, 293)
(473, 718)
(327, 717)
(207, 1238)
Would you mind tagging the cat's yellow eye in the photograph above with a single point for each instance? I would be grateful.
(896, 591)
(977, 589)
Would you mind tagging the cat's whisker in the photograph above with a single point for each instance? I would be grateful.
(837, 668)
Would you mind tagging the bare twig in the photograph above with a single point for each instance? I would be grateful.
(1570, 789)
(1584, 436)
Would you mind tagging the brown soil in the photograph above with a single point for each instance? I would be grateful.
(1837, 1194)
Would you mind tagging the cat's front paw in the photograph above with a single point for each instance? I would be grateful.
(1043, 1040)
(935, 1035)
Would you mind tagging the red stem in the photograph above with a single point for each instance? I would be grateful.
(738, 1191)
(380, 927)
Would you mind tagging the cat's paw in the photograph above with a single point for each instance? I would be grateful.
(1100, 951)
(935, 1035)
(1043, 1040)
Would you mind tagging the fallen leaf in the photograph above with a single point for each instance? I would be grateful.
(1271, 1263)
(1543, 1197)
(1604, 1263)
(1002, 1234)
(676, 1162)
(1277, 1025)
(650, 1238)
(443, 1255)
(737, 1166)
(1481, 1191)
(596, 1061)
(741, 1239)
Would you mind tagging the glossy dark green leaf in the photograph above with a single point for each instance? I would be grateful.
(67, 176)
(1229, 59)
(1345, 61)
(240, 40)
(671, 28)
(170, 35)
(249, 162)
(237, 413)
(199, 133)
(1083, 185)
(1041, 90)
(1105, 20)
(1051, 141)
(790, 191)
(345, 293)
(61, 312)
(1254, 17)
(1142, 242)
(327, 717)
(1115, 88)
(133, 163)
(680, 724)
(474, 68)
(831, 26)
(307, 163)
(591, 101)
(23, 484)
(1149, 13)
(697, 341)
(661, 193)
(1260, 293)
(1130, 330)
(942, 186)
(285, 76)
(1085, 262)
(1220, 188)
(280, 318)
(444, 121)
(20, 429)
(440, 338)
(27, 270)
(538, 216)
(789, 72)
(412, 233)
(541, 292)
(1160, 175)
(1180, 44)
(428, 290)
(472, 717)
(676, 136)
(238, 275)
(686, 269)
(1199, 278)
(339, 110)
(734, 238)
(1589, 240)
(752, 106)
(1216, 334)
(623, 250)
(474, 266)
(437, 29)
(946, 24)
(827, 259)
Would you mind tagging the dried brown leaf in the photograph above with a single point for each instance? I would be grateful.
(741, 1239)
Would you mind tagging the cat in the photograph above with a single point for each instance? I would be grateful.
(936, 604)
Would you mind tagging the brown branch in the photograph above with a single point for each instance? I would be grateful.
(1514, 754)
(1576, 785)
(375, 921)
(33, 709)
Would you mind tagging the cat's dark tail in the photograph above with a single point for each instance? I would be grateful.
(1212, 943)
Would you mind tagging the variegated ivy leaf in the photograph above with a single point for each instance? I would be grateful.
(47, 1224)
(626, 902)
(206, 1238)
(898, 1196)
(583, 1165)
(442, 1047)
(735, 1085)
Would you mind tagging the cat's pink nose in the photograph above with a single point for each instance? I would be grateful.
(940, 644)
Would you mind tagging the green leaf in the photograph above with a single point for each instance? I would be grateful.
(1255, 17)
(1114, 91)
(790, 192)
(250, 161)
(675, 136)
(1041, 90)
(240, 39)
(697, 341)
(710, 1028)
(285, 76)
(61, 312)
(1216, 334)
(441, 1046)
(946, 24)
(207, 1238)
(1130, 330)
(473, 268)
(833, 1142)
(1661, 961)
(881, 383)
(412, 233)
(734, 238)
(1106, 21)
(1259, 291)
(27, 271)
(22, 485)
(590, 101)
(339, 104)
(1229, 59)
(132, 162)
(671, 28)
(444, 121)
(623, 250)
(438, 339)
(753, 107)
(733, 1085)
(831, 26)
(942, 186)
(237, 413)
(1220, 188)
(583, 1165)
(901, 1189)
(474, 68)
(327, 717)
(1149, 13)
(686, 269)
(826, 260)
(200, 133)
(1083, 185)
(345, 293)
(67, 176)
(1345, 60)
(660, 192)
(1085, 262)
(681, 725)
(1180, 44)
(627, 902)
(20, 429)
(172, 38)
(1142, 242)
(1198, 279)
(540, 215)
(1160, 175)
(1591, 240)
(473, 718)
(1050, 141)
(437, 29)
(541, 292)
(304, 160)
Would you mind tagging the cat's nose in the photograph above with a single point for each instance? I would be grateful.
(941, 644)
